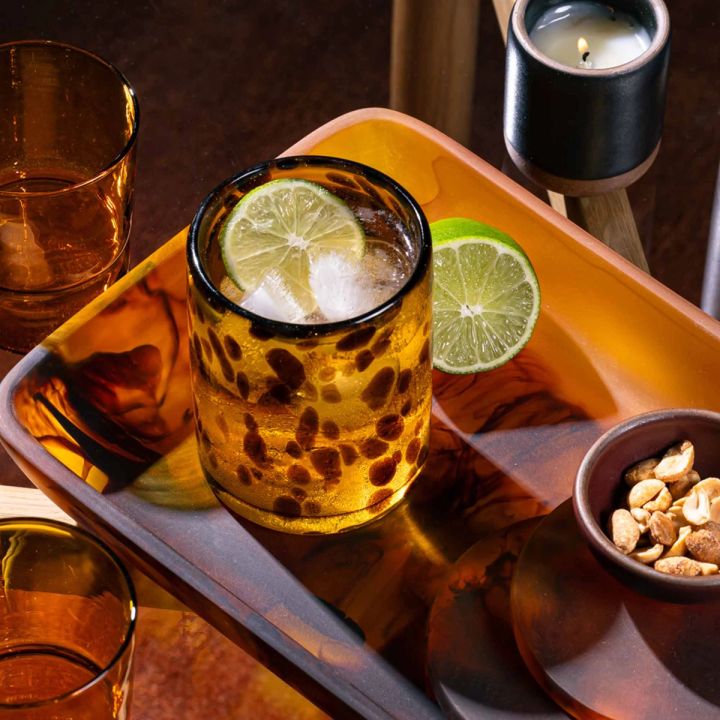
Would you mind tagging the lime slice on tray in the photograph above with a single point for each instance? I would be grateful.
(280, 226)
(486, 297)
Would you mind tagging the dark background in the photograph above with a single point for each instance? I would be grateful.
(224, 85)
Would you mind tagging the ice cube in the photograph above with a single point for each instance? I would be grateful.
(340, 288)
(23, 265)
(273, 299)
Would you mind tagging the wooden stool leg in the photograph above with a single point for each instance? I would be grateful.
(610, 219)
(432, 65)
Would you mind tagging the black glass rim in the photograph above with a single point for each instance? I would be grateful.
(305, 330)
(108, 167)
(132, 595)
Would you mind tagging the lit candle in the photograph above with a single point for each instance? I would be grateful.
(585, 91)
(589, 35)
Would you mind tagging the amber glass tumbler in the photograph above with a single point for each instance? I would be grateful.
(68, 127)
(67, 617)
(313, 427)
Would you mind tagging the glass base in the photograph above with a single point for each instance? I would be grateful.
(308, 525)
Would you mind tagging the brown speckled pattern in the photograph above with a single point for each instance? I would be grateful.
(299, 433)
(274, 447)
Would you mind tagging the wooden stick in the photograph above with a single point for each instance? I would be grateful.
(609, 218)
(432, 64)
(29, 502)
(503, 8)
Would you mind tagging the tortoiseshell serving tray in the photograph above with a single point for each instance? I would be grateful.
(99, 417)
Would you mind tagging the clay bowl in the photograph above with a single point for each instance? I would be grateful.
(599, 489)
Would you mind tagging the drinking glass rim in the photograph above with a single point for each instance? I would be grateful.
(127, 640)
(305, 330)
(122, 153)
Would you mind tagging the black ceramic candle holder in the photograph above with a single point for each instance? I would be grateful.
(584, 131)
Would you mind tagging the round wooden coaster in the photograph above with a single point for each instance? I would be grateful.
(474, 667)
(601, 650)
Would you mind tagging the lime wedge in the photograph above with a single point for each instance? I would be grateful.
(486, 297)
(281, 226)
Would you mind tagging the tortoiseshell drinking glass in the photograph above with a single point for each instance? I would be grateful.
(67, 619)
(313, 427)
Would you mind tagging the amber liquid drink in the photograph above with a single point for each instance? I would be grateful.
(35, 674)
(67, 617)
(67, 158)
(60, 246)
(315, 426)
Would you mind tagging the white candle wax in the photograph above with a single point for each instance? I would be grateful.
(588, 34)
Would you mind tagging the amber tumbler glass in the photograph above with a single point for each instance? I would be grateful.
(322, 426)
(67, 617)
(68, 127)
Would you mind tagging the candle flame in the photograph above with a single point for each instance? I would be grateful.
(583, 46)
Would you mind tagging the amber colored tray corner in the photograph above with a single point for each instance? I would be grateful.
(98, 417)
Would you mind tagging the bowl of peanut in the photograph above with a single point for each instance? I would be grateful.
(647, 501)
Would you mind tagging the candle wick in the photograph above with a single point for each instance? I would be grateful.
(585, 56)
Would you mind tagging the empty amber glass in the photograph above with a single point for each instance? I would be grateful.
(67, 161)
(313, 427)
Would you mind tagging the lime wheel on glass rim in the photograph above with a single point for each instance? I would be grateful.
(279, 227)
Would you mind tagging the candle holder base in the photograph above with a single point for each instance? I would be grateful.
(575, 187)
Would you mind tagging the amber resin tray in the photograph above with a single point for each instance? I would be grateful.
(99, 417)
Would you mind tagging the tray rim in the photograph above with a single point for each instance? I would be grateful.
(105, 518)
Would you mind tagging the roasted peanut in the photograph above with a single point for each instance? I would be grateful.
(644, 491)
(704, 544)
(678, 566)
(641, 517)
(662, 529)
(648, 555)
(710, 486)
(683, 486)
(642, 471)
(708, 568)
(662, 502)
(679, 547)
(675, 513)
(624, 530)
(715, 510)
(676, 463)
(696, 508)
